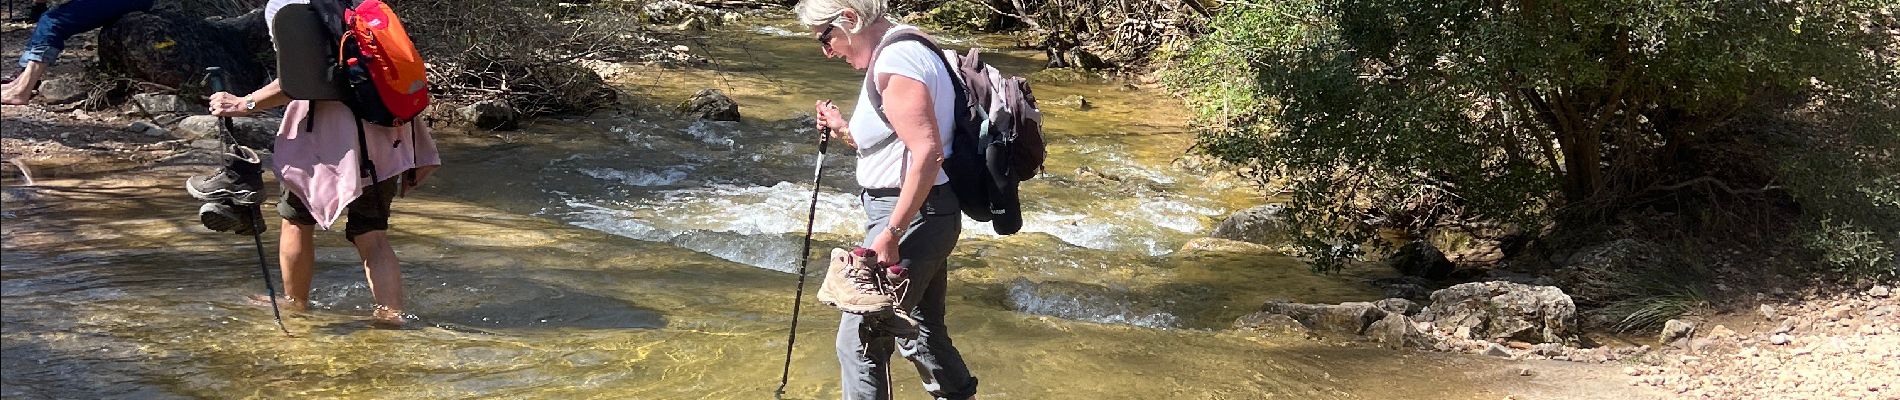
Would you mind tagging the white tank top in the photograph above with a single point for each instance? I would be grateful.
(883, 167)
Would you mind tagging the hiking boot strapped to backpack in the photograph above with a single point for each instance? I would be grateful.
(996, 142)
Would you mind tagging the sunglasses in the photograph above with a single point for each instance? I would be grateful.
(824, 38)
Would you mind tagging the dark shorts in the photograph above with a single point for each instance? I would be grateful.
(368, 213)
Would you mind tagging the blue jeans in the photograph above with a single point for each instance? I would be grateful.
(73, 18)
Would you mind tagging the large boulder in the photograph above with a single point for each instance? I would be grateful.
(254, 132)
(1419, 258)
(1398, 306)
(490, 114)
(1261, 225)
(711, 104)
(172, 44)
(1397, 330)
(1504, 310)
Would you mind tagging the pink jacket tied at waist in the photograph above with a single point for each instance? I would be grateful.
(318, 160)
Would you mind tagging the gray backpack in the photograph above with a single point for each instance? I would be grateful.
(997, 140)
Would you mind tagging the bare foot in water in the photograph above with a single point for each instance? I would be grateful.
(387, 318)
(284, 303)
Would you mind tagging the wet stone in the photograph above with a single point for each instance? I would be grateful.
(711, 104)
(1268, 322)
(490, 114)
(1497, 350)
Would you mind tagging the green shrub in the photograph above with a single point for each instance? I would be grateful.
(1422, 114)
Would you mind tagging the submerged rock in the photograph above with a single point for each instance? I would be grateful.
(1504, 310)
(1260, 225)
(1086, 302)
(1269, 322)
(1218, 245)
(711, 104)
(1350, 318)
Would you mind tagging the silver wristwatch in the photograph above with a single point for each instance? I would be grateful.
(897, 231)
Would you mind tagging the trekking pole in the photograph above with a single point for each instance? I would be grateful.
(817, 175)
(215, 76)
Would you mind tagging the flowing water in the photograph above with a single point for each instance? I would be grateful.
(631, 254)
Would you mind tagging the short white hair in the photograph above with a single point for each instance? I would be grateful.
(816, 13)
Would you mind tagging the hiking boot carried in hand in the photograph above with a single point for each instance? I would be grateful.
(897, 323)
(241, 180)
(856, 284)
(222, 216)
(852, 285)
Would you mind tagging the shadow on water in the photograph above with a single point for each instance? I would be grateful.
(40, 370)
(482, 302)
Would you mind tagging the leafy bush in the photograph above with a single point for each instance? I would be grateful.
(1422, 115)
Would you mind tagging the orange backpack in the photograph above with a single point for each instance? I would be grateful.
(385, 78)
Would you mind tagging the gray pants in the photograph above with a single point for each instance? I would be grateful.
(864, 353)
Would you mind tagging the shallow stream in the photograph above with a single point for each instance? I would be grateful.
(630, 254)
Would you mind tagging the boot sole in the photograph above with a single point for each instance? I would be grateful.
(239, 197)
(219, 217)
(223, 218)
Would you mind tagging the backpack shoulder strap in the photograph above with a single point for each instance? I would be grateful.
(331, 12)
(877, 97)
(362, 151)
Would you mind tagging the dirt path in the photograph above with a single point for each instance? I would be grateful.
(1833, 346)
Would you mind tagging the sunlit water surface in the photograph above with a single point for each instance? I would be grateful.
(630, 254)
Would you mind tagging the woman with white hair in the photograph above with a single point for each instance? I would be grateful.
(901, 149)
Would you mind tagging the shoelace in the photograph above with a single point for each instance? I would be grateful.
(874, 280)
(864, 279)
